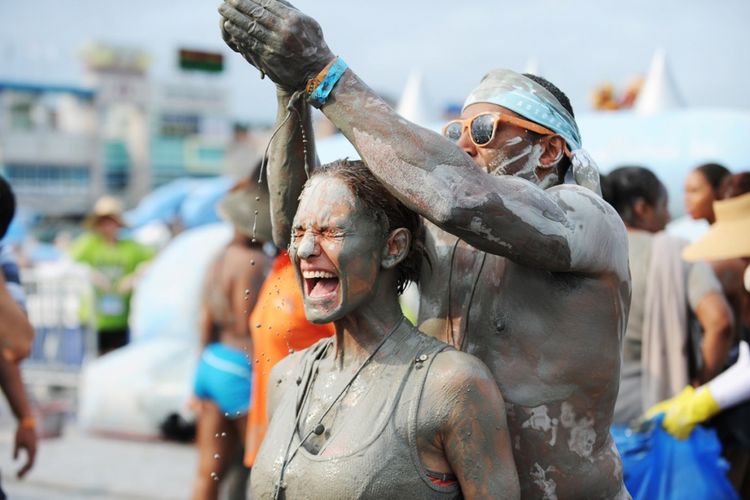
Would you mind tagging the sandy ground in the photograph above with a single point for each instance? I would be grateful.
(79, 465)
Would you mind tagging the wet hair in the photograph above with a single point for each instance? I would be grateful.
(387, 211)
(714, 175)
(7, 206)
(735, 185)
(564, 164)
(624, 186)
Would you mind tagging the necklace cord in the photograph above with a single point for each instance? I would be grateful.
(308, 389)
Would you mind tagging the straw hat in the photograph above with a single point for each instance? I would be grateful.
(245, 206)
(106, 206)
(729, 236)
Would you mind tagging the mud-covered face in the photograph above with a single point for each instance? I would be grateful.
(512, 151)
(337, 249)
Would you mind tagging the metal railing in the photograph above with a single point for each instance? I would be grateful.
(59, 304)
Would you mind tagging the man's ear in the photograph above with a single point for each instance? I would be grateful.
(554, 149)
(396, 248)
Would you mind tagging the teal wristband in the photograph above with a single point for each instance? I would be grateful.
(320, 94)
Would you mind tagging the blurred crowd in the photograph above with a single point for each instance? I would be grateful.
(690, 306)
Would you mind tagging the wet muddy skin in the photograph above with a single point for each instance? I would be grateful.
(538, 287)
(360, 408)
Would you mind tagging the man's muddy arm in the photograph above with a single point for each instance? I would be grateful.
(561, 229)
(431, 175)
(291, 153)
(428, 173)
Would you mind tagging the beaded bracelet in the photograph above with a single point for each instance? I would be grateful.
(319, 88)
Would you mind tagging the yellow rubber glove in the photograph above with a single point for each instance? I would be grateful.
(686, 410)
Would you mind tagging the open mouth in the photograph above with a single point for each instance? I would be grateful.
(320, 283)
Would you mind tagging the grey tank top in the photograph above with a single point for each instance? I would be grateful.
(381, 462)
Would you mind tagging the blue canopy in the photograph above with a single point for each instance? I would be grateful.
(192, 200)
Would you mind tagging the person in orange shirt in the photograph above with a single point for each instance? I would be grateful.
(278, 327)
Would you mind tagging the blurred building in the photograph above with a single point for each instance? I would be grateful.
(122, 133)
(49, 146)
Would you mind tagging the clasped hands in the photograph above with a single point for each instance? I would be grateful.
(276, 38)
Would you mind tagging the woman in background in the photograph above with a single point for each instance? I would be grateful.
(702, 188)
(223, 376)
(655, 366)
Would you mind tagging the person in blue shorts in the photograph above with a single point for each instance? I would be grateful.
(222, 378)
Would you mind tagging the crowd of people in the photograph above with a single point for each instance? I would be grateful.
(553, 303)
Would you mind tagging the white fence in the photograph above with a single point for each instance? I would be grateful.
(58, 297)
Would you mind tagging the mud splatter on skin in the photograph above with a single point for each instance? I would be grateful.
(523, 221)
(457, 422)
(582, 433)
(527, 224)
(553, 330)
(335, 237)
(541, 421)
(547, 486)
(529, 170)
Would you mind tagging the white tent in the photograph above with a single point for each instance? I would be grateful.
(659, 92)
(415, 104)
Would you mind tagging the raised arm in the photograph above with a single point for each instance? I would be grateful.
(431, 175)
(291, 154)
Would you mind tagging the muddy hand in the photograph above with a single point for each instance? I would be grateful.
(276, 38)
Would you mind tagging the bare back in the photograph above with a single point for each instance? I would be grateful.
(231, 290)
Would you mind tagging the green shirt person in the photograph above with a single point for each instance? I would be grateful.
(115, 265)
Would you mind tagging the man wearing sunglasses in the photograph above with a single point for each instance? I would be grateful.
(528, 273)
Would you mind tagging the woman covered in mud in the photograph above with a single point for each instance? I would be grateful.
(379, 410)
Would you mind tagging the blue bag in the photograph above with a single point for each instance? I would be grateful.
(658, 466)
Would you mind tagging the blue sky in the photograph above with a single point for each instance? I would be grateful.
(577, 43)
